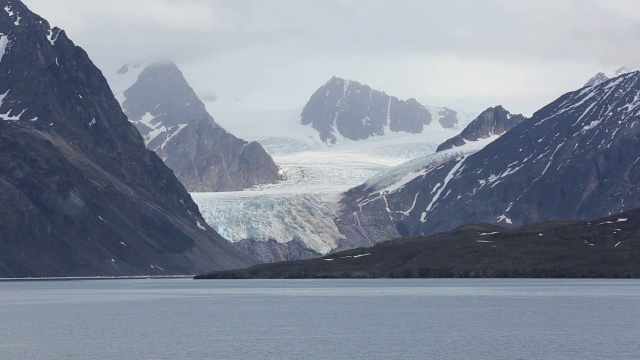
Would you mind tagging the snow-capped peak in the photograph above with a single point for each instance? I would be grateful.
(601, 77)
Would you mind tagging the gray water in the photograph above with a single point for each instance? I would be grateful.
(320, 319)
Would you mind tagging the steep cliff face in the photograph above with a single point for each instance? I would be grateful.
(175, 124)
(577, 158)
(347, 109)
(491, 122)
(79, 192)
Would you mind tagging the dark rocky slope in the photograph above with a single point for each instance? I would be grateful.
(576, 158)
(80, 195)
(175, 124)
(493, 121)
(606, 248)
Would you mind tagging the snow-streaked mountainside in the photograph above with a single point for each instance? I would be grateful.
(398, 176)
(600, 77)
(175, 124)
(577, 158)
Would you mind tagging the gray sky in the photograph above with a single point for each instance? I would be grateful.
(273, 54)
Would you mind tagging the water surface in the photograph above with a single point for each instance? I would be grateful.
(318, 319)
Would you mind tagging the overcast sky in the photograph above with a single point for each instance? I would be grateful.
(272, 54)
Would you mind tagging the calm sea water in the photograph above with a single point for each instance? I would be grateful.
(320, 319)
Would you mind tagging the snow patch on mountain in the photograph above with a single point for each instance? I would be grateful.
(4, 41)
(52, 36)
(397, 177)
(13, 15)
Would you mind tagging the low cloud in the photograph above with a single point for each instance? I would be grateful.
(274, 54)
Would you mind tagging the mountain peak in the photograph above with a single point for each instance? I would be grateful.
(162, 92)
(348, 110)
(337, 79)
(491, 122)
(601, 77)
(175, 124)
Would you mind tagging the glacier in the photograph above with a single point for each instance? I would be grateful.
(303, 207)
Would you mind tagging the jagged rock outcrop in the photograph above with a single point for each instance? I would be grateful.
(576, 158)
(493, 121)
(447, 118)
(175, 124)
(80, 195)
(347, 109)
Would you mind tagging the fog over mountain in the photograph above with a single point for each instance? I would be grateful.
(436, 51)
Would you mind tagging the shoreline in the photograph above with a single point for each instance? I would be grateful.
(75, 278)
